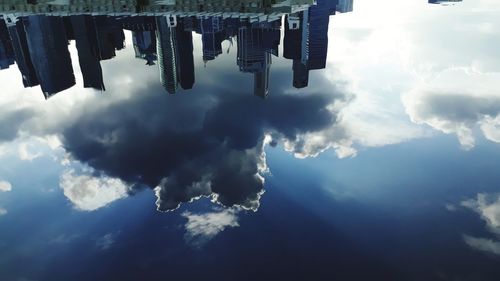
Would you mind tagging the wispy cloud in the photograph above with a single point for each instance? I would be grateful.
(201, 228)
(488, 206)
(483, 244)
(106, 242)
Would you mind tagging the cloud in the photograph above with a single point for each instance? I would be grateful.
(482, 244)
(65, 239)
(106, 242)
(90, 192)
(5, 186)
(201, 228)
(457, 113)
(209, 144)
(450, 207)
(25, 152)
(11, 122)
(488, 206)
(3, 211)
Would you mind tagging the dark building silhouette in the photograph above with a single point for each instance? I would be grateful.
(22, 54)
(292, 42)
(185, 57)
(306, 40)
(253, 58)
(85, 34)
(110, 36)
(211, 37)
(6, 50)
(48, 48)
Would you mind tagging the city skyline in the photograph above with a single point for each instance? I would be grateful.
(166, 41)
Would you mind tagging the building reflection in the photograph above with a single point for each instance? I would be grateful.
(38, 44)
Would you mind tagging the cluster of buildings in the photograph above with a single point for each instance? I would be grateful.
(38, 44)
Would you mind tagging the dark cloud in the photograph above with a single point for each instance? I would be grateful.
(458, 108)
(194, 144)
(458, 113)
(11, 121)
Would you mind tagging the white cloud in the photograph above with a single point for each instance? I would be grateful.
(3, 211)
(201, 228)
(5, 186)
(399, 50)
(483, 244)
(89, 193)
(106, 242)
(488, 206)
(25, 152)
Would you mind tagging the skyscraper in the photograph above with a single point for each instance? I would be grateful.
(48, 48)
(211, 37)
(292, 42)
(22, 54)
(253, 58)
(85, 34)
(185, 57)
(6, 50)
(166, 40)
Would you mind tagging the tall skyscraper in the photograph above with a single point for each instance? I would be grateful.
(185, 57)
(6, 50)
(48, 47)
(319, 18)
(85, 33)
(253, 58)
(110, 36)
(211, 37)
(292, 42)
(166, 41)
(22, 54)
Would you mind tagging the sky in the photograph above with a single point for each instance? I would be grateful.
(387, 162)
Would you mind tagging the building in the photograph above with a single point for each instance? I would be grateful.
(87, 44)
(166, 48)
(48, 48)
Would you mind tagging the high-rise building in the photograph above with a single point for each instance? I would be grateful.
(6, 50)
(48, 49)
(185, 57)
(292, 42)
(22, 54)
(166, 41)
(319, 18)
(253, 58)
(211, 37)
(85, 33)
(110, 36)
